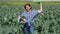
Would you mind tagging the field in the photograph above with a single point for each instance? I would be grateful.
(48, 22)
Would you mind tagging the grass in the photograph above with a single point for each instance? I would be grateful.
(51, 2)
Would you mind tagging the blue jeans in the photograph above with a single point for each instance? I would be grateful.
(29, 30)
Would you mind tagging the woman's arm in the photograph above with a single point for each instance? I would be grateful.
(41, 9)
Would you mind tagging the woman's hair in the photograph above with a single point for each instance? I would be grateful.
(28, 5)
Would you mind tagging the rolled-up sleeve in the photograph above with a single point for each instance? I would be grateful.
(18, 20)
(20, 16)
(38, 11)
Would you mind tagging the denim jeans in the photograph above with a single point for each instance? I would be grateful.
(29, 30)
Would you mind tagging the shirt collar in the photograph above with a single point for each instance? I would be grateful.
(28, 12)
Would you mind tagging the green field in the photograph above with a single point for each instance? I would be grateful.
(48, 22)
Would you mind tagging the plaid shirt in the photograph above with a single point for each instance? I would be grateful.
(30, 16)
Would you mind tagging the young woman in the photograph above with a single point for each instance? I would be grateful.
(30, 15)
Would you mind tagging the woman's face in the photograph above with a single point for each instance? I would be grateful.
(28, 8)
